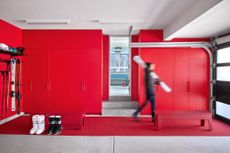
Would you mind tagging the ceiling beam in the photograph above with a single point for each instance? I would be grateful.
(188, 16)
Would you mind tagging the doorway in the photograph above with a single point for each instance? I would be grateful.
(119, 66)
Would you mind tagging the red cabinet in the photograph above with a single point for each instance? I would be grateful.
(92, 80)
(198, 80)
(62, 80)
(65, 80)
(75, 80)
(148, 55)
(35, 81)
(180, 76)
(185, 70)
(62, 72)
(165, 69)
(164, 60)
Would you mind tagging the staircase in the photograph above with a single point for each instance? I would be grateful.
(119, 106)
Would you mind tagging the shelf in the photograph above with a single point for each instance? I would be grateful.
(10, 53)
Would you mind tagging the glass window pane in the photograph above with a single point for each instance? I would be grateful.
(223, 109)
(223, 73)
(223, 55)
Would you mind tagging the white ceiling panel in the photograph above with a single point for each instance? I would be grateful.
(112, 16)
(213, 22)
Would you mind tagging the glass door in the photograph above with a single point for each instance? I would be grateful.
(222, 86)
(119, 66)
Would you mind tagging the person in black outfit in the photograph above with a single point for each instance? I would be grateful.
(149, 90)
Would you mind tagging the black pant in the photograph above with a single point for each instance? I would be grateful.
(153, 106)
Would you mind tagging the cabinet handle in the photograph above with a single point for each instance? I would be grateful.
(48, 86)
(188, 86)
(84, 85)
(31, 86)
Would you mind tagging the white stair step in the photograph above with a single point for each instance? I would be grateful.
(120, 104)
(119, 98)
(118, 112)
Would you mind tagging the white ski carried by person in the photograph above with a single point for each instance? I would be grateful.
(140, 62)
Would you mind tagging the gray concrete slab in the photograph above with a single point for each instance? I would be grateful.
(119, 91)
(119, 104)
(113, 144)
(55, 144)
(171, 144)
(119, 98)
(118, 112)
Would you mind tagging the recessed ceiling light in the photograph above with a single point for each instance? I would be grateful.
(36, 21)
(117, 21)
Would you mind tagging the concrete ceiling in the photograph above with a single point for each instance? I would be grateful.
(115, 17)
(214, 22)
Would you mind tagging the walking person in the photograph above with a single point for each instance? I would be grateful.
(149, 90)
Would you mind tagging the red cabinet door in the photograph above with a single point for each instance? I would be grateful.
(148, 55)
(35, 81)
(198, 99)
(75, 80)
(66, 70)
(181, 84)
(198, 72)
(92, 77)
(164, 60)
(165, 70)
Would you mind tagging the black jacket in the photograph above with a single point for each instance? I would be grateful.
(150, 83)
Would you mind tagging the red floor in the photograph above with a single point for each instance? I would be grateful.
(124, 126)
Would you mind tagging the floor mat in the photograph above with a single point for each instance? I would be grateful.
(124, 126)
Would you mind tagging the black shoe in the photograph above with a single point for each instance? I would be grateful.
(135, 117)
(57, 127)
(51, 125)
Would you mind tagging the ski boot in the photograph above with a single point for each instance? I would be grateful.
(51, 125)
(58, 127)
(35, 125)
(40, 124)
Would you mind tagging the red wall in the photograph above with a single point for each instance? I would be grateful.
(185, 70)
(12, 36)
(105, 67)
(151, 35)
(134, 71)
(62, 71)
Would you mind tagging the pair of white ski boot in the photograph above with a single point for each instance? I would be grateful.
(38, 124)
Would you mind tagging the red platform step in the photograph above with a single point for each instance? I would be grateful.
(183, 115)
